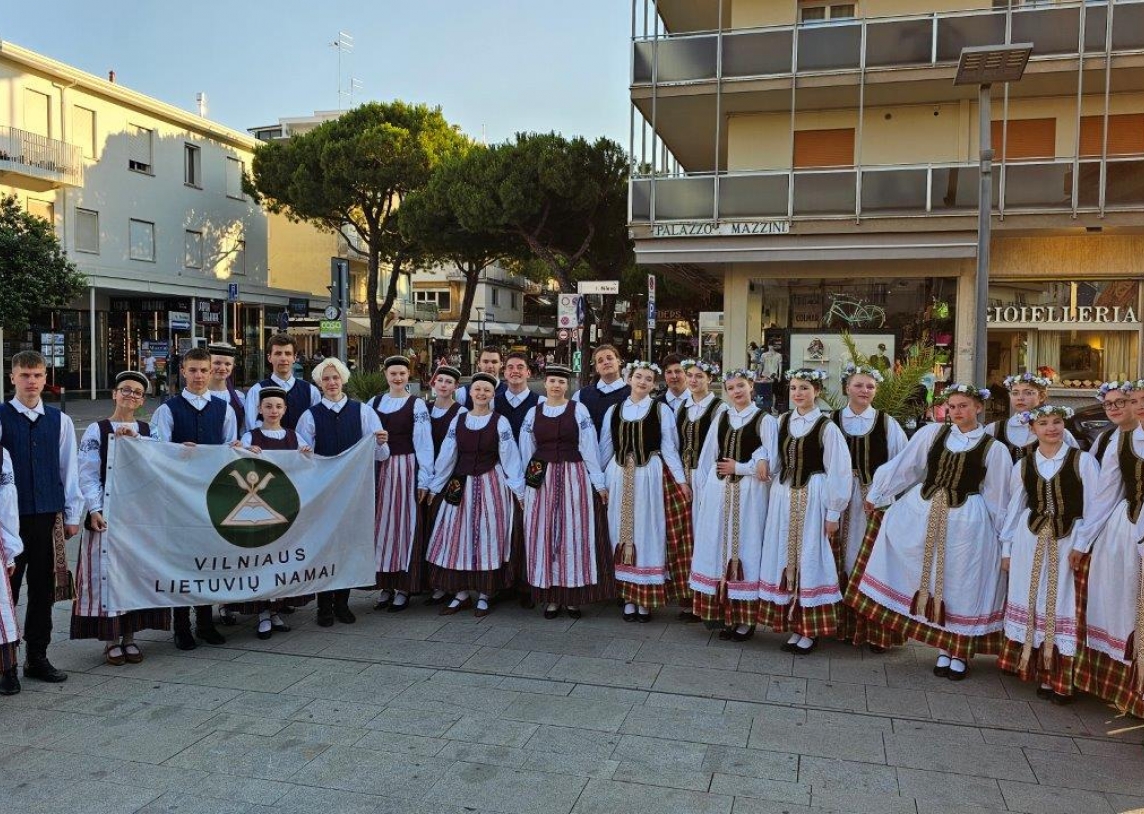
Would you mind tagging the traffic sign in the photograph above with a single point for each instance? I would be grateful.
(232, 292)
(562, 334)
(598, 287)
(283, 322)
(567, 311)
(651, 302)
(179, 320)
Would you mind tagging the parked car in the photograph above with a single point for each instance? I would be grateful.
(1088, 424)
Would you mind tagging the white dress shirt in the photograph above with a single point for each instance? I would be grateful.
(252, 420)
(604, 387)
(676, 401)
(11, 546)
(162, 421)
(516, 398)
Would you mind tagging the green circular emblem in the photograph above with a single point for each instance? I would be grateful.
(252, 503)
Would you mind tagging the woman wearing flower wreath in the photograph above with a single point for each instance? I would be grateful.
(873, 438)
(637, 443)
(1049, 528)
(477, 473)
(442, 410)
(798, 581)
(934, 573)
(1116, 397)
(1027, 391)
(731, 485)
(569, 559)
(1111, 664)
(693, 422)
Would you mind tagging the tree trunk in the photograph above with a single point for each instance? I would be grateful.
(472, 280)
(607, 317)
(371, 346)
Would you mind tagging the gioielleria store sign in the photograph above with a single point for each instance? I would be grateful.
(1052, 316)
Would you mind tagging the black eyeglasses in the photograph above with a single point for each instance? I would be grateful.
(130, 394)
(1119, 404)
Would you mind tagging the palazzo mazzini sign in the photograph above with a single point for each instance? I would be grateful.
(710, 229)
(1040, 314)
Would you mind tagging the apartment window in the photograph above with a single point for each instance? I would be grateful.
(192, 166)
(193, 249)
(36, 113)
(1025, 139)
(139, 148)
(141, 237)
(234, 178)
(514, 298)
(87, 231)
(821, 12)
(438, 297)
(42, 209)
(83, 130)
(495, 296)
(824, 148)
(1125, 135)
(238, 261)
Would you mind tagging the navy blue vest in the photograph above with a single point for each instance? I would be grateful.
(203, 426)
(497, 394)
(299, 399)
(515, 415)
(598, 403)
(334, 433)
(35, 450)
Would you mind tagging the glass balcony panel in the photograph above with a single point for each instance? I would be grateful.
(642, 62)
(894, 190)
(756, 53)
(955, 33)
(1051, 30)
(899, 42)
(954, 189)
(1088, 187)
(1096, 18)
(687, 59)
(824, 193)
(1128, 26)
(1038, 186)
(829, 47)
(641, 201)
(753, 196)
(1125, 184)
(685, 199)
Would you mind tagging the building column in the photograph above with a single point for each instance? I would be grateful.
(93, 334)
(736, 317)
(965, 326)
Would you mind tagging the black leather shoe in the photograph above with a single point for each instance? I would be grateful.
(643, 618)
(344, 615)
(574, 613)
(1061, 700)
(395, 608)
(9, 682)
(1044, 692)
(227, 618)
(184, 640)
(42, 669)
(437, 600)
(551, 614)
(210, 634)
(958, 675)
(630, 617)
(877, 650)
(325, 616)
(805, 651)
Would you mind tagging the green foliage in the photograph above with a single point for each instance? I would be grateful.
(896, 395)
(363, 386)
(35, 273)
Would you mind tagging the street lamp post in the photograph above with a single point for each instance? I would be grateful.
(481, 322)
(983, 66)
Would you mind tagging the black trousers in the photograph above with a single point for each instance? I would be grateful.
(204, 617)
(37, 564)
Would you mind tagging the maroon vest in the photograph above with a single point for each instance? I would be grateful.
(440, 426)
(478, 451)
(257, 439)
(399, 425)
(557, 439)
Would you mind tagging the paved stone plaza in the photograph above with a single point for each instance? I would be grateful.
(423, 713)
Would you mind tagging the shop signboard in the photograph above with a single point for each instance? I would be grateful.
(210, 312)
(299, 307)
(330, 329)
(711, 229)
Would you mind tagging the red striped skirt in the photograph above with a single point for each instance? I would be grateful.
(399, 537)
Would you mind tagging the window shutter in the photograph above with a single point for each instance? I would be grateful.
(139, 147)
(824, 148)
(87, 231)
(83, 125)
(1025, 138)
(36, 112)
(1125, 134)
(233, 178)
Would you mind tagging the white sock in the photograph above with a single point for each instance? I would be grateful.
(275, 619)
(630, 607)
(385, 596)
(552, 606)
(742, 629)
(794, 637)
(957, 666)
(943, 659)
(643, 611)
(264, 616)
(804, 642)
(438, 593)
(483, 602)
(400, 599)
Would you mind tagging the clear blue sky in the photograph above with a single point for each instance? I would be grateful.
(506, 65)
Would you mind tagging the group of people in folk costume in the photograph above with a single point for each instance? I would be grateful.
(1004, 539)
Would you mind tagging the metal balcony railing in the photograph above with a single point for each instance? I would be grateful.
(875, 43)
(47, 159)
(1052, 185)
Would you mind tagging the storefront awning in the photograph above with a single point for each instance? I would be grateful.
(501, 328)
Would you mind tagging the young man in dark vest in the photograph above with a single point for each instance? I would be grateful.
(191, 418)
(513, 398)
(300, 395)
(221, 387)
(608, 389)
(42, 443)
(489, 362)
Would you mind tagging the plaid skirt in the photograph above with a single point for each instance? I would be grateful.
(680, 541)
(711, 608)
(650, 596)
(9, 656)
(1108, 679)
(866, 630)
(113, 628)
(1059, 676)
(605, 586)
(846, 623)
(820, 620)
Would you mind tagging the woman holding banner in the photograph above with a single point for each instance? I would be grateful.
(91, 618)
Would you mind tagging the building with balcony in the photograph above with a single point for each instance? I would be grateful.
(147, 200)
(816, 160)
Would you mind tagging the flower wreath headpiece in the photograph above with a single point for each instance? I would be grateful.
(709, 368)
(1126, 386)
(741, 373)
(1026, 378)
(808, 374)
(852, 369)
(964, 390)
(637, 364)
(1029, 416)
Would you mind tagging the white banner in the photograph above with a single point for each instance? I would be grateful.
(209, 525)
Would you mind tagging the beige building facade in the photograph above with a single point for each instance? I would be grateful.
(816, 159)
